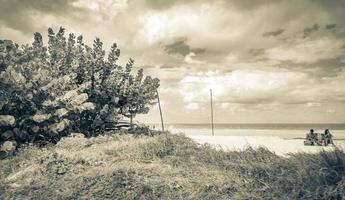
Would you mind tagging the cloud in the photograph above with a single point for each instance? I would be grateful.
(308, 51)
(313, 104)
(190, 60)
(249, 5)
(331, 27)
(309, 30)
(192, 21)
(162, 4)
(330, 111)
(101, 6)
(192, 106)
(273, 33)
(179, 47)
(262, 89)
(147, 66)
(239, 4)
(222, 43)
(167, 67)
(257, 52)
(240, 86)
(326, 67)
(19, 15)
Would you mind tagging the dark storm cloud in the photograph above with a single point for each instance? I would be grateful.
(162, 4)
(179, 47)
(331, 27)
(249, 4)
(337, 62)
(310, 30)
(333, 4)
(327, 67)
(166, 67)
(17, 14)
(319, 69)
(335, 13)
(257, 52)
(273, 33)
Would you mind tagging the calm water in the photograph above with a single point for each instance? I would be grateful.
(279, 130)
(262, 126)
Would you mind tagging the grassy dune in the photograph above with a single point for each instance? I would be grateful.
(166, 167)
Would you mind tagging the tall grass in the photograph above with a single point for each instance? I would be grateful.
(167, 167)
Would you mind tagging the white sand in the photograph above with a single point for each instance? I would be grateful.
(276, 144)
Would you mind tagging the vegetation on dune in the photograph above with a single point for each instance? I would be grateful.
(49, 91)
(166, 167)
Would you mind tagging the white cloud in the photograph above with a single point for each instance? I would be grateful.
(313, 104)
(186, 21)
(231, 58)
(243, 86)
(90, 5)
(109, 7)
(6, 31)
(330, 111)
(192, 106)
(190, 60)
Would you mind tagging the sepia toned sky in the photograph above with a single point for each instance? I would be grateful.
(267, 61)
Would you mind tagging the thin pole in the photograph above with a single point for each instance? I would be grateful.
(160, 111)
(212, 113)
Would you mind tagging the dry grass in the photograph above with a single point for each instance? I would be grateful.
(166, 167)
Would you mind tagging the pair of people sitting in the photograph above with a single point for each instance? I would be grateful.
(319, 139)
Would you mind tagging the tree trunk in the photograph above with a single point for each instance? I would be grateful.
(131, 121)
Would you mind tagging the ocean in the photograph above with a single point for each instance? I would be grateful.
(286, 131)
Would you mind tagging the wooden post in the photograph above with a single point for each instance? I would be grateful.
(212, 113)
(160, 111)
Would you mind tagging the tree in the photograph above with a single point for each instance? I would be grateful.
(47, 92)
(139, 95)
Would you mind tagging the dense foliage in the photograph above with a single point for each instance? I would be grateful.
(49, 91)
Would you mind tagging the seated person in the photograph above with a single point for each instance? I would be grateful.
(328, 137)
(311, 138)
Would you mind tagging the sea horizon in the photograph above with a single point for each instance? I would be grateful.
(262, 126)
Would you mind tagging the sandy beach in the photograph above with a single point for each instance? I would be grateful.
(282, 142)
(278, 145)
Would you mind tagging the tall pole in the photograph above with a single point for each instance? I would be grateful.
(212, 113)
(160, 111)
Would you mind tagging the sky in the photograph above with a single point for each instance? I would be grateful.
(266, 61)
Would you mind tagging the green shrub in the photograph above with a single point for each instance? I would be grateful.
(47, 92)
